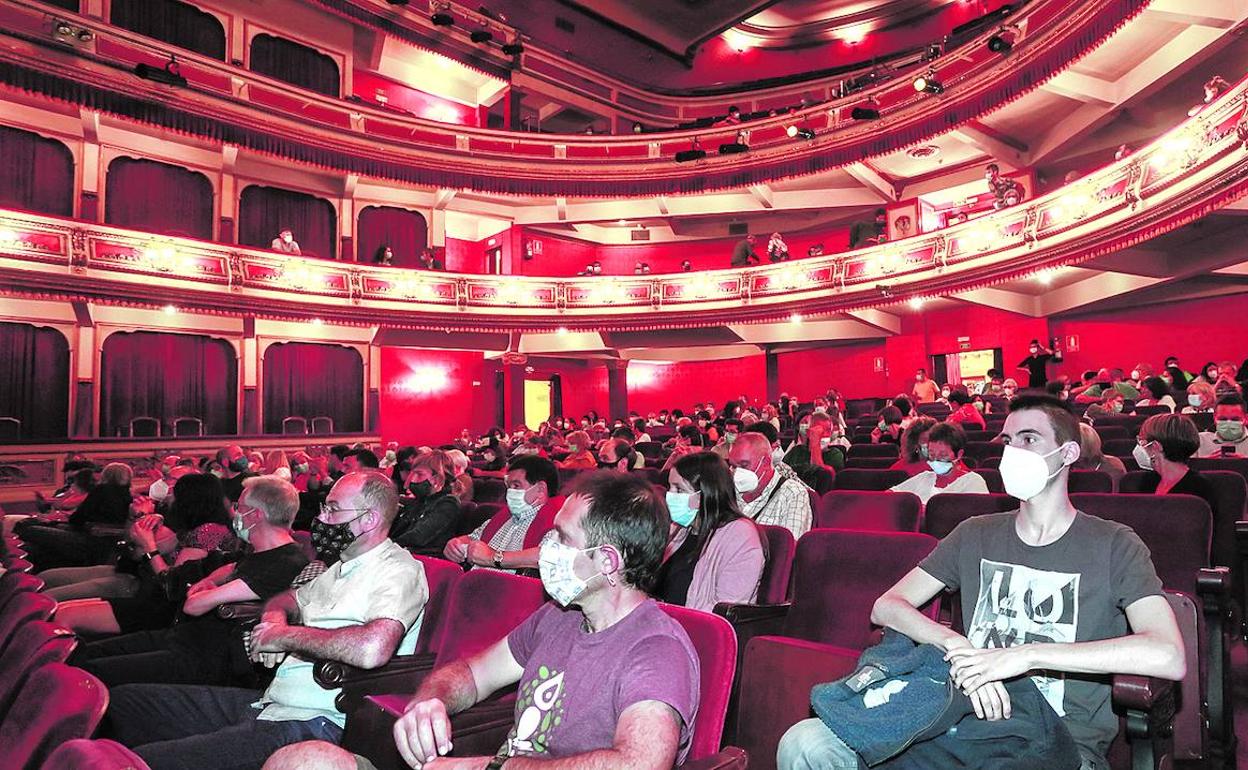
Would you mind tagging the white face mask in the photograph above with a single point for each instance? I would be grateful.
(159, 490)
(940, 467)
(1193, 399)
(555, 564)
(1141, 457)
(777, 455)
(680, 509)
(1135, 374)
(517, 505)
(745, 480)
(1026, 474)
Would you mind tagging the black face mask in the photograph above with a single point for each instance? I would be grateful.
(240, 464)
(330, 540)
(608, 465)
(421, 488)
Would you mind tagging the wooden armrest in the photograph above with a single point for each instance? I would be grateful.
(240, 611)
(106, 531)
(1140, 693)
(753, 614)
(728, 758)
(332, 674)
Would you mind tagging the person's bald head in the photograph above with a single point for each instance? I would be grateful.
(750, 450)
(367, 490)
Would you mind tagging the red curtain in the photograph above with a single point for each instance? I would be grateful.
(159, 198)
(34, 380)
(167, 376)
(36, 174)
(264, 211)
(405, 232)
(309, 380)
(174, 22)
(296, 64)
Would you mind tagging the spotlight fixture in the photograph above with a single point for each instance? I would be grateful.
(688, 156)
(1003, 41)
(514, 48)
(733, 148)
(65, 32)
(864, 113)
(800, 133)
(170, 75)
(397, 2)
(442, 18)
(928, 84)
(481, 36)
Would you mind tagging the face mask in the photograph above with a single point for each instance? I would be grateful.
(159, 490)
(240, 464)
(555, 565)
(1135, 374)
(1034, 350)
(421, 488)
(1193, 399)
(979, 406)
(1142, 458)
(1168, 380)
(944, 394)
(217, 472)
(1227, 430)
(744, 479)
(517, 505)
(330, 540)
(730, 438)
(1117, 407)
(573, 448)
(777, 455)
(1025, 474)
(941, 467)
(1065, 395)
(241, 530)
(880, 425)
(918, 378)
(801, 429)
(301, 468)
(680, 509)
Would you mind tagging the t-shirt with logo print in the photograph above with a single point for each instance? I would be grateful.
(1075, 589)
(576, 684)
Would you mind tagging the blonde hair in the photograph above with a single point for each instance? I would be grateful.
(119, 474)
(276, 459)
(1204, 390)
(1090, 451)
(439, 466)
(580, 438)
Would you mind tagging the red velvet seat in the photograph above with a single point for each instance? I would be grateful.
(992, 478)
(441, 577)
(864, 479)
(873, 450)
(58, 703)
(825, 481)
(869, 510)
(1113, 432)
(1090, 481)
(13, 582)
(716, 645)
(22, 608)
(944, 512)
(35, 644)
(773, 587)
(488, 490)
(84, 754)
(982, 450)
(17, 564)
(871, 463)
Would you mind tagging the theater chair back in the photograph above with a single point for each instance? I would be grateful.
(488, 490)
(84, 754)
(441, 576)
(22, 608)
(945, 512)
(868, 511)
(1176, 528)
(1090, 481)
(17, 582)
(35, 644)
(837, 576)
(863, 478)
(485, 606)
(716, 645)
(58, 703)
(773, 588)
(889, 451)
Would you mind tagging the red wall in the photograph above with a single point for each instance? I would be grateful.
(680, 385)
(584, 389)
(848, 368)
(421, 104)
(428, 396)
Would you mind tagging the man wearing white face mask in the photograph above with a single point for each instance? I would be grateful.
(509, 540)
(1045, 589)
(763, 494)
(732, 429)
(607, 680)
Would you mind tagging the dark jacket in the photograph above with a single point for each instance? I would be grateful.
(105, 504)
(425, 525)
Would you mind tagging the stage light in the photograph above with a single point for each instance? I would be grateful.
(864, 113)
(442, 19)
(928, 84)
(317, 322)
(916, 303)
(169, 75)
(481, 36)
(8, 236)
(562, 331)
(686, 156)
(800, 133)
(1046, 276)
(170, 309)
(514, 48)
(796, 318)
(999, 44)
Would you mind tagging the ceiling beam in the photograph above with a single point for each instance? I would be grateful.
(1083, 88)
(877, 319)
(873, 180)
(1219, 14)
(1095, 289)
(1011, 301)
(442, 198)
(1002, 149)
(763, 194)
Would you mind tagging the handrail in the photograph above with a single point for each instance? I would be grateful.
(269, 116)
(1190, 171)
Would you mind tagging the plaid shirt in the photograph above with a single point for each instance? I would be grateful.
(509, 537)
(789, 507)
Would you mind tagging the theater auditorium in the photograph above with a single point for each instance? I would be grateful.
(623, 384)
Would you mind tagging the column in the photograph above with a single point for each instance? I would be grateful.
(89, 196)
(617, 388)
(772, 363)
(82, 421)
(513, 387)
(249, 369)
(372, 401)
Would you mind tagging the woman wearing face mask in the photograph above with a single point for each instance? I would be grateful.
(276, 464)
(946, 471)
(1209, 373)
(888, 427)
(1200, 398)
(964, 413)
(428, 511)
(1093, 458)
(1156, 393)
(914, 448)
(818, 444)
(1165, 444)
(715, 554)
(579, 457)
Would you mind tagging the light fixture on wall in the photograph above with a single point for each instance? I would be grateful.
(169, 75)
(927, 83)
(441, 15)
(1003, 42)
(514, 48)
(800, 132)
(64, 32)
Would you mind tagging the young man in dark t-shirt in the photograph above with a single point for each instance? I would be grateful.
(1047, 591)
(198, 649)
(1036, 364)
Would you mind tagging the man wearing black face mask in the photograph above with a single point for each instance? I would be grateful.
(234, 463)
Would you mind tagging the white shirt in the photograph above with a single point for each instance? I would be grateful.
(1211, 445)
(1166, 400)
(385, 582)
(924, 485)
(789, 507)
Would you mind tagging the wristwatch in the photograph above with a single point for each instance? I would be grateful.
(498, 761)
(498, 564)
(151, 555)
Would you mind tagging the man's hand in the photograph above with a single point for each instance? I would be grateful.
(991, 702)
(423, 733)
(143, 533)
(267, 637)
(457, 548)
(972, 668)
(480, 553)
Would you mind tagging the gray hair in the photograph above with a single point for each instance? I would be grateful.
(275, 497)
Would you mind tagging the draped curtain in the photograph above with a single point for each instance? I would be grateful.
(296, 64)
(69, 5)
(34, 379)
(402, 230)
(36, 174)
(264, 211)
(181, 24)
(167, 376)
(556, 395)
(310, 380)
(158, 197)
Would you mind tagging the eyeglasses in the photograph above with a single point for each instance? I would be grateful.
(327, 511)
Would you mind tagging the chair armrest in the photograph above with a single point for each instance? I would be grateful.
(479, 731)
(750, 620)
(1147, 705)
(402, 674)
(240, 611)
(1140, 693)
(728, 758)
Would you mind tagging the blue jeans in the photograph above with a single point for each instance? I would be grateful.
(188, 727)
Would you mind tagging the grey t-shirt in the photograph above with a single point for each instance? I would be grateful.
(1073, 590)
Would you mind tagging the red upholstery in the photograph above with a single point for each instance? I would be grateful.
(58, 703)
(84, 754)
(12, 582)
(23, 607)
(1234, 464)
(873, 450)
(488, 490)
(441, 576)
(862, 478)
(17, 564)
(485, 606)
(871, 463)
(944, 512)
(992, 477)
(1090, 481)
(304, 539)
(868, 510)
(542, 523)
(716, 645)
(773, 588)
(838, 575)
(982, 450)
(35, 644)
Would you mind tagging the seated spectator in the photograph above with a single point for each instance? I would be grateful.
(732, 428)
(688, 439)
(579, 457)
(197, 650)
(59, 542)
(1164, 446)
(616, 454)
(235, 469)
(428, 260)
(818, 446)
(743, 253)
(428, 511)
(764, 494)
(509, 540)
(461, 487)
(285, 242)
(964, 413)
(888, 429)
(1228, 439)
(946, 471)
(715, 554)
(1209, 373)
(1225, 383)
(777, 249)
(1156, 393)
(1179, 377)
(769, 432)
(997, 563)
(906, 408)
(1111, 404)
(1201, 397)
(770, 414)
(162, 477)
(1005, 191)
(981, 405)
(78, 484)
(625, 699)
(1093, 458)
(868, 232)
(925, 391)
(639, 431)
(384, 255)
(1009, 388)
(276, 464)
(914, 448)
(360, 459)
(360, 611)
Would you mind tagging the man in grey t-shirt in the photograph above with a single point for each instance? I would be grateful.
(1046, 591)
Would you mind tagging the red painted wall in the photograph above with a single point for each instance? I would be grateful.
(428, 396)
(413, 100)
(652, 387)
(584, 389)
(848, 368)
